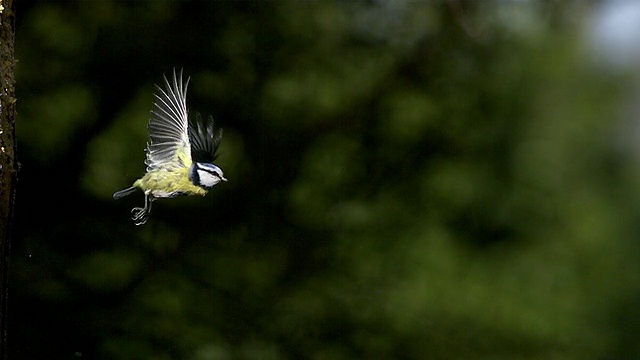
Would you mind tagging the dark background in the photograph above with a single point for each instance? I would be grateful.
(407, 180)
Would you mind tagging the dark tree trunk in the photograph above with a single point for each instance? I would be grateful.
(8, 163)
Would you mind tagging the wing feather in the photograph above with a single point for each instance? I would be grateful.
(169, 125)
(204, 142)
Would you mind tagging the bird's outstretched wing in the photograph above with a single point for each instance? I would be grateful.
(204, 142)
(168, 144)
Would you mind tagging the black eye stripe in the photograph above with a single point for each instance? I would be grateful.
(209, 171)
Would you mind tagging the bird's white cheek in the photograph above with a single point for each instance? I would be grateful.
(206, 179)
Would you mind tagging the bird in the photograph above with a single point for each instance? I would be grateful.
(180, 152)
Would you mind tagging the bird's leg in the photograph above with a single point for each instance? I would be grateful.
(141, 215)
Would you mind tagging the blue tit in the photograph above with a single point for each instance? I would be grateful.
(180, 153)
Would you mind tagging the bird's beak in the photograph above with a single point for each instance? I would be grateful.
(223, 179)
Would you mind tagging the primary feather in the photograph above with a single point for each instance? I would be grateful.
(204, 142)
(169, 144)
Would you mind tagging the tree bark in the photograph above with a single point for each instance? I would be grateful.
(8, 163)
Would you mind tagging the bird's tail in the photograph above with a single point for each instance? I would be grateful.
(122, 193)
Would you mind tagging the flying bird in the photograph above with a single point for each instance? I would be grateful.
(180, 152)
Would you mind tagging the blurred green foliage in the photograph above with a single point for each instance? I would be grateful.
(407, 180)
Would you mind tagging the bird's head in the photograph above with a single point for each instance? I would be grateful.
(205, 175)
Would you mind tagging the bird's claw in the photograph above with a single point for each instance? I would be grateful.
(139, 215)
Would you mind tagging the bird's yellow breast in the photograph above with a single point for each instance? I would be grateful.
(163, 183)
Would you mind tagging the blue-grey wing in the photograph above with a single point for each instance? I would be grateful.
(169, 126)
